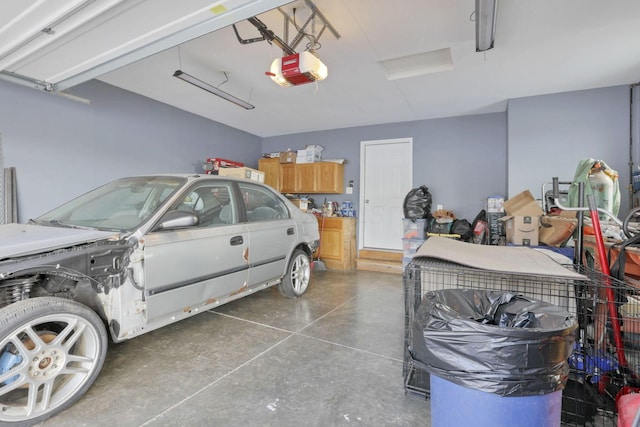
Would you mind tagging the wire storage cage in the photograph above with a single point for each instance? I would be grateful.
(599, 373)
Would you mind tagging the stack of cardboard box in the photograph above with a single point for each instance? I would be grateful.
(526, 224)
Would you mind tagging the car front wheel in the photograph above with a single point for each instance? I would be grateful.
(51, 351)
(296, 280)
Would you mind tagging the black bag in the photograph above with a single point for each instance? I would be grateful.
(417, 203)
(463, 228)
(440, 227)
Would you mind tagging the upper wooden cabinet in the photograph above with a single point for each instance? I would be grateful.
(329, 177)
(303, 178)
(271, 169)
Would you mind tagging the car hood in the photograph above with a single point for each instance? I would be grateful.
(27, 239)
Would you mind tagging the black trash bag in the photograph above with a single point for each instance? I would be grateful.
(463, 228)
(492, 341)
(417, 203)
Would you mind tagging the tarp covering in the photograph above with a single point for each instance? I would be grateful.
(493, 341)
(504, 259)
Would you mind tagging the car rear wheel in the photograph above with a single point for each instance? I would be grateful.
(296, 280)
(51, 351)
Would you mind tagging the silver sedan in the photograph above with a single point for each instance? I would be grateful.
(125, 259)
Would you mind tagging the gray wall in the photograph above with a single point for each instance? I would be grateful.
(62, 148)
(462, 159)
(465, 159)
(549, 135)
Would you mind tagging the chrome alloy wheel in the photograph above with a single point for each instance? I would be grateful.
(47, 361)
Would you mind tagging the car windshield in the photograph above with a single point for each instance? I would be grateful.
(121, 205)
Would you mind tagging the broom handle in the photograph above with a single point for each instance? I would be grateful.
(320, 239)
(604, 267)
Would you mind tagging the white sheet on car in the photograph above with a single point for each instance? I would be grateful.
(509, 259)
(25, 239)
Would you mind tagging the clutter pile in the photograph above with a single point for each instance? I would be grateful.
(225, 167)
(309, 154)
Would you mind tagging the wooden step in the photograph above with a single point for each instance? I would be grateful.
(382, 261)
(380, 255)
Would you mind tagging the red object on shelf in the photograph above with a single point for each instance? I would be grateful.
(213, 164)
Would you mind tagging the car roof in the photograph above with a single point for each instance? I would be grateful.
(192, 177)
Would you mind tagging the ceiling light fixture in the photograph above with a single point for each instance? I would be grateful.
(297, 69)
(212, 89)
(486, 12)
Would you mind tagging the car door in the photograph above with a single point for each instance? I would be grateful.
(272, 233)
(190, 267)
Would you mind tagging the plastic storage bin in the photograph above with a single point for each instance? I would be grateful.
(414, 228)
(411, 246)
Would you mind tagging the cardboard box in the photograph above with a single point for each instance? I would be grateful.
(522, 221)
(522, 230)
(213, 164)
(523, 204)
(556, 230)
(244, 172)
(302, 204)
(288, 157)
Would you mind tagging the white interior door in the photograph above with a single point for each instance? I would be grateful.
(386, 176)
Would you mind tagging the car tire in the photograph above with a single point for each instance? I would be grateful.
(51, 352)
(296, 280)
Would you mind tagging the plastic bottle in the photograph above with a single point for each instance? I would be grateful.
(602, 189)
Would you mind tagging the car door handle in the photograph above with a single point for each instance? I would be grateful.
(236, 240)
(290, 231)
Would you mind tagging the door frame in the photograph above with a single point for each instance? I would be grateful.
(363, 147)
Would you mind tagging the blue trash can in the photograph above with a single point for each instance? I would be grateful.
(494, 358)
(454, 405)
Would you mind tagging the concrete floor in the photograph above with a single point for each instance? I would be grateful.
(332, 357)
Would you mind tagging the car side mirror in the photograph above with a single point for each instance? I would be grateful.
(177, 219)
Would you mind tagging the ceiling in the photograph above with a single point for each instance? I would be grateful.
(541, 47)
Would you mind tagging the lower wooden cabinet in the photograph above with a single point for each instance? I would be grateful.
(338, 242)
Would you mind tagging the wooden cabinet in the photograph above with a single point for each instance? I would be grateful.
(310, 178)
(288, 181)
(329, 177)
(338, 242)
(300, 178)
(306, 178)
(303, 178)
(271, 169)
